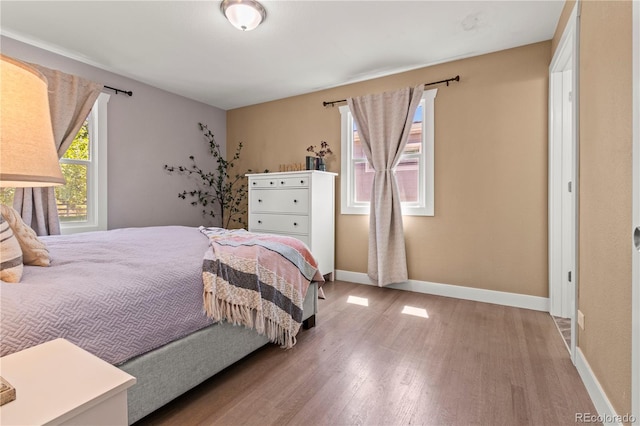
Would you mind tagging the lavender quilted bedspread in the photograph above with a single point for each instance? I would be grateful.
(117, 294)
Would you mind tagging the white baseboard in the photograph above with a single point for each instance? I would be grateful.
(535, 303)
(605, 411)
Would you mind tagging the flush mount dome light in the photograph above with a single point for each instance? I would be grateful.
(245, 15)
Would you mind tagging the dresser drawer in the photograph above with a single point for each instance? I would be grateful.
(263, 183)
(302, 237)
(280, 201)
(292, 182)
(280, 182)
(279, 223)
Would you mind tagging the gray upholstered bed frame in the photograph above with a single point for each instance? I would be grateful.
(173, 369)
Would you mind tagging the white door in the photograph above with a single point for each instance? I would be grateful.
(567, 305)
(562, 177)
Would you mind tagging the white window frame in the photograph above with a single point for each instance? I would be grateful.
(96, 172)
(426, 176)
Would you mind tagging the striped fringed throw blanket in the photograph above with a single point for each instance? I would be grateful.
(257, 280)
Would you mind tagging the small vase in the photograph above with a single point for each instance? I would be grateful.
(311, 163)
(320, 164)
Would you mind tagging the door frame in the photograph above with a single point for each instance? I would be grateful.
(565, 57)
(635, 321)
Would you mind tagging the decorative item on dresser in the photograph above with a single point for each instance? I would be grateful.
(318, 162)
(298, 204)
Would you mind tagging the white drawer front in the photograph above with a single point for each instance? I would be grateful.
(292, 182)
(280, 201)
(279, 223)
(280, 182)
(304, 238)
(263, 183)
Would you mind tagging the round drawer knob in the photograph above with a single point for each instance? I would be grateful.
(295, 224)
(301, 181)
(259, 201)
(253, 183)
(281, 182)
(270, 183)
(259, 221)
(295, 201)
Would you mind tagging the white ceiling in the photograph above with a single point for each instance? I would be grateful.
(188, 47)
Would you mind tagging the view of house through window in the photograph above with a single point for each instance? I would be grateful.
(72, 197)
(414, 173)
(407, 170)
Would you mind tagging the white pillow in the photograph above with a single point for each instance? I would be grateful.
(34, 251)
(10, 254)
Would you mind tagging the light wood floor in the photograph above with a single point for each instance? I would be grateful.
(467, 363)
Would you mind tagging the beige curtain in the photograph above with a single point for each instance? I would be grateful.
(384, 122)
(70, 100)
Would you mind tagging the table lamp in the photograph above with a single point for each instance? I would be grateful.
(28, 156)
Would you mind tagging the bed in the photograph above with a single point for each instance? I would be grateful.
(133, 297)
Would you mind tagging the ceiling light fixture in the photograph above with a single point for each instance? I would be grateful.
(245, 15)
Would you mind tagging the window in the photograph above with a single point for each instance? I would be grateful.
(82, 201)
(76, 165)
(414, 173)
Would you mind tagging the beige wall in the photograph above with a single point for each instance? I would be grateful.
(605, 195)
(490, 224)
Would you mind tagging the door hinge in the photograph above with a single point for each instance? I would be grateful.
(569, 276)
(570, 186)
(570, 96)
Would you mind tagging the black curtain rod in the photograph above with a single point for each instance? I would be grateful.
(448, 80)
(126, 92)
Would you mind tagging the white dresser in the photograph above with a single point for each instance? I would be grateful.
(297, 204)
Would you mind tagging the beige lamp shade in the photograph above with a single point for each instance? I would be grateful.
(28, 156)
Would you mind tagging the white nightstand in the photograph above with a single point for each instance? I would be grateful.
(59, 383)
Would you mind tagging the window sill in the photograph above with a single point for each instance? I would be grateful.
(67, 229)
(405, 211)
